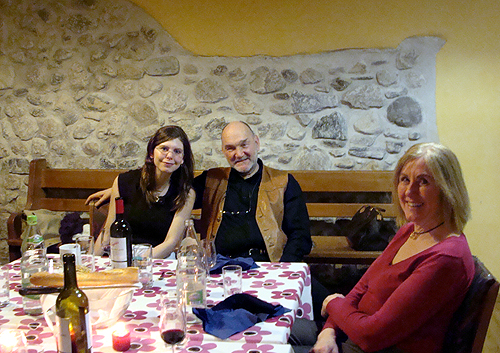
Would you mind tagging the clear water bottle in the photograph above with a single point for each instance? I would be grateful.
(189, 249)
(191, 274)
(30, 231)
(33, 260)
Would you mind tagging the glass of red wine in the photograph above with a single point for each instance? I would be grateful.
(172, 319)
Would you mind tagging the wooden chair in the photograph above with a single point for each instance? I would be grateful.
(470, 322)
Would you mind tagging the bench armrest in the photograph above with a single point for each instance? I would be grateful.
(14, 230)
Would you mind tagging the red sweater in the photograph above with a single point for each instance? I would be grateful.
(409, 304)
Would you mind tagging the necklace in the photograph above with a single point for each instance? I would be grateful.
(414, 235)
(161, 192)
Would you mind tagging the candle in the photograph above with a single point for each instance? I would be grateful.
(121, 338)
(12, 341)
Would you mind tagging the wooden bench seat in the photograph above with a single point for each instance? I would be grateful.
(328, 194)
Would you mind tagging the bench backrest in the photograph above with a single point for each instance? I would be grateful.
(64, 189)
(327, 193)
(341, 193)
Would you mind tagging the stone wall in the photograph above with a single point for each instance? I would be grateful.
(85, 83)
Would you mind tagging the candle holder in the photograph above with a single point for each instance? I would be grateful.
(121, 338)
(13, 341)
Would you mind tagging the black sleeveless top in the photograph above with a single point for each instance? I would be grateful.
(149, 224)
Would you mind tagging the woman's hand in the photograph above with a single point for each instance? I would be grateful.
(325, 342)
(102, 197)
(324, 313)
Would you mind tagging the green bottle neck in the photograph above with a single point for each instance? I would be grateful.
(69, 271)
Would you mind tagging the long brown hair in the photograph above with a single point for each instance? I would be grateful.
(181, 179)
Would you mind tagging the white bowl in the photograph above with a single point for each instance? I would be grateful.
(106, 305)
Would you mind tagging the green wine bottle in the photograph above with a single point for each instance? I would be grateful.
(72, 313)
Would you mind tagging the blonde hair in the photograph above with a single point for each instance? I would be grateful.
(445, 169)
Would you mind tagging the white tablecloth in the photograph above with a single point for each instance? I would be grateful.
(288, 284)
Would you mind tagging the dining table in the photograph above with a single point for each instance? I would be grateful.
(287, 284)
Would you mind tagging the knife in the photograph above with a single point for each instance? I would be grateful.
(50, 290)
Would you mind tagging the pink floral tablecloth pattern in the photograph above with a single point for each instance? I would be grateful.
(288, 284)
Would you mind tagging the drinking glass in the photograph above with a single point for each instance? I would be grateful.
(172, 319)
(231, 277)
(142, 258)
(4, 286)
(209, 253)
(86, 243)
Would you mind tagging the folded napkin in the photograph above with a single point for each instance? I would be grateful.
(246, 263)
(237, 313)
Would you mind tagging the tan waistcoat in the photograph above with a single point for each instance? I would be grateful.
(269, 212)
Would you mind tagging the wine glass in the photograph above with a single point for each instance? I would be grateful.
(172, 319)
(209, 256)
(209, 252)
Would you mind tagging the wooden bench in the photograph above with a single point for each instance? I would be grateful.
(329, 194)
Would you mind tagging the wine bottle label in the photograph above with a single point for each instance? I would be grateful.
(118, 250)
(67, 337)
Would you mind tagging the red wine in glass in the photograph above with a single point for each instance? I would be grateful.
(172, 323)
(172, 336)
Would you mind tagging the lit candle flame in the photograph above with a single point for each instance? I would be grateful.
(11, 341)
(119, 329)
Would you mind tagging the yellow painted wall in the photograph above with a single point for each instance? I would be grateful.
(468, 66)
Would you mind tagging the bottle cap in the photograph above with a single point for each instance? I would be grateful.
(31, 220)
(119, 205)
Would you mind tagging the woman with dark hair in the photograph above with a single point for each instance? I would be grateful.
(158, 197)
(406, 299)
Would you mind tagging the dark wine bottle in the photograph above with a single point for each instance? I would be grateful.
(120, 238)
(72, 313)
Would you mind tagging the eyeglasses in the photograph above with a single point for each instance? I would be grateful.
(163, 150)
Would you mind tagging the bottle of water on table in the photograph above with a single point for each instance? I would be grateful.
(33, 260)
(191, 273)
